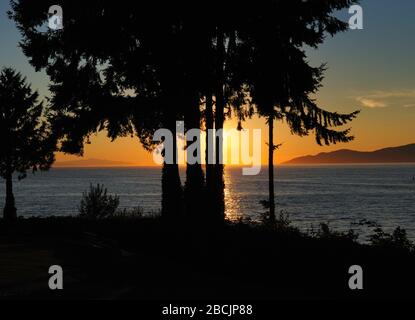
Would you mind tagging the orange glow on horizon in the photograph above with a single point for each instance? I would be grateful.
(367, 138)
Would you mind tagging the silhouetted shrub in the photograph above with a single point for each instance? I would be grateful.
(398, 239)
(97, 204)
(282, 223)
(325, 232)
(137, 212)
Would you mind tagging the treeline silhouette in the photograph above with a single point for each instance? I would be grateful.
(132, 68)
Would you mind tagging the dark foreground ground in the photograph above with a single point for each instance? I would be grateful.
(151, 259)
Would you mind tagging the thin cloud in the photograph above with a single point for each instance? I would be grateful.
(371, 103)
(383, 98)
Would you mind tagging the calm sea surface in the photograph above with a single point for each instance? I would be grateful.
(340, 194)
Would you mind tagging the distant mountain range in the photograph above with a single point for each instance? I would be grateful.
(92, 163)
(387, 155)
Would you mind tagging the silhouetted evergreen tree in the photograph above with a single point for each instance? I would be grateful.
(281, 79)
(26, 142)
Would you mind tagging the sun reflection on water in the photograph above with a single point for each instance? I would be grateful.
(232, 201)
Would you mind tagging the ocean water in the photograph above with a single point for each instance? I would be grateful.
(338, 194)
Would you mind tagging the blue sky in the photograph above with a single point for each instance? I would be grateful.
(11, 55)
(378, 58)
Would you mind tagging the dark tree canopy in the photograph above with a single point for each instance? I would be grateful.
(158, 50)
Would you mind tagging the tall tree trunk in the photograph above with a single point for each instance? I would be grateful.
(219, 210)
(210, 141)
(195, 180)
(210, 178)
(10, 212)
(271, 168)
(172, 191)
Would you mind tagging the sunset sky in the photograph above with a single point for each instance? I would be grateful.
(371, 70)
